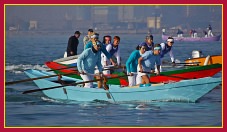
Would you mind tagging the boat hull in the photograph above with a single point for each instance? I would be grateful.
(183, 91)
(168, 76)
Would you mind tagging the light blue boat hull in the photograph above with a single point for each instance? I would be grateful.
(184, 91)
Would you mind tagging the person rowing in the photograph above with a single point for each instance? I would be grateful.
(148, 42)
(146, 63)
(167, 48)
(131, 64)
(87, 61)
(114, 50)
(94, 38)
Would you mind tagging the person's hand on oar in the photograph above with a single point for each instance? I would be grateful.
(130, 74)
(115, 64)
(82, 72)
(173, 64)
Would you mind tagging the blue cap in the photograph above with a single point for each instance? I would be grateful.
(143, 44)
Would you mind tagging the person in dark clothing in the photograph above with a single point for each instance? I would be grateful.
(205, 33)
(149, 43)
(179, 33)
(209, 33)
(73, 44)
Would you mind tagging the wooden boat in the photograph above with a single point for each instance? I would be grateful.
(185, 91)
(167, 76)
(208, 60)
(190, 39)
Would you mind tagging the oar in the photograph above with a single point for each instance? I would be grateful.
(192, 65)
(72, 84)
(31, 79)
(187, 63)
(110, 68)
(166, 75)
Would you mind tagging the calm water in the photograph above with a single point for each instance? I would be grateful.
(33, 50)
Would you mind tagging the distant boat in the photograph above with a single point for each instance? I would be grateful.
(190, 39)
(14, 28)
(68, 60)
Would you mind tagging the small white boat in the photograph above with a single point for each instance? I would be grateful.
(67, 60)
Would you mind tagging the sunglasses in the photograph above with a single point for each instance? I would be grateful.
(98, 45)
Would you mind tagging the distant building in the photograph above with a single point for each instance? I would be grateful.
(154, 22)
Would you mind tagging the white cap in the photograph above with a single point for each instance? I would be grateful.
(95, 35)
(170, 40)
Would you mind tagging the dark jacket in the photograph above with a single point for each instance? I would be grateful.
(72, 46)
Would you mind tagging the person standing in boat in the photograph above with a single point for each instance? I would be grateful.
(179, 33)
(195, 35)
(149, 43)
(72, 44)
(132, 63)
(114, 50)
(210, 34)
(167, 48)
(147, 62)
(87, 62)
(87, 38)
(205, 33)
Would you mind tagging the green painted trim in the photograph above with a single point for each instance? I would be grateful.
(192, 69)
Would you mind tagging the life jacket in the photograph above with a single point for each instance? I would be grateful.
(113, 51)
(150, 47)
(165, 50)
